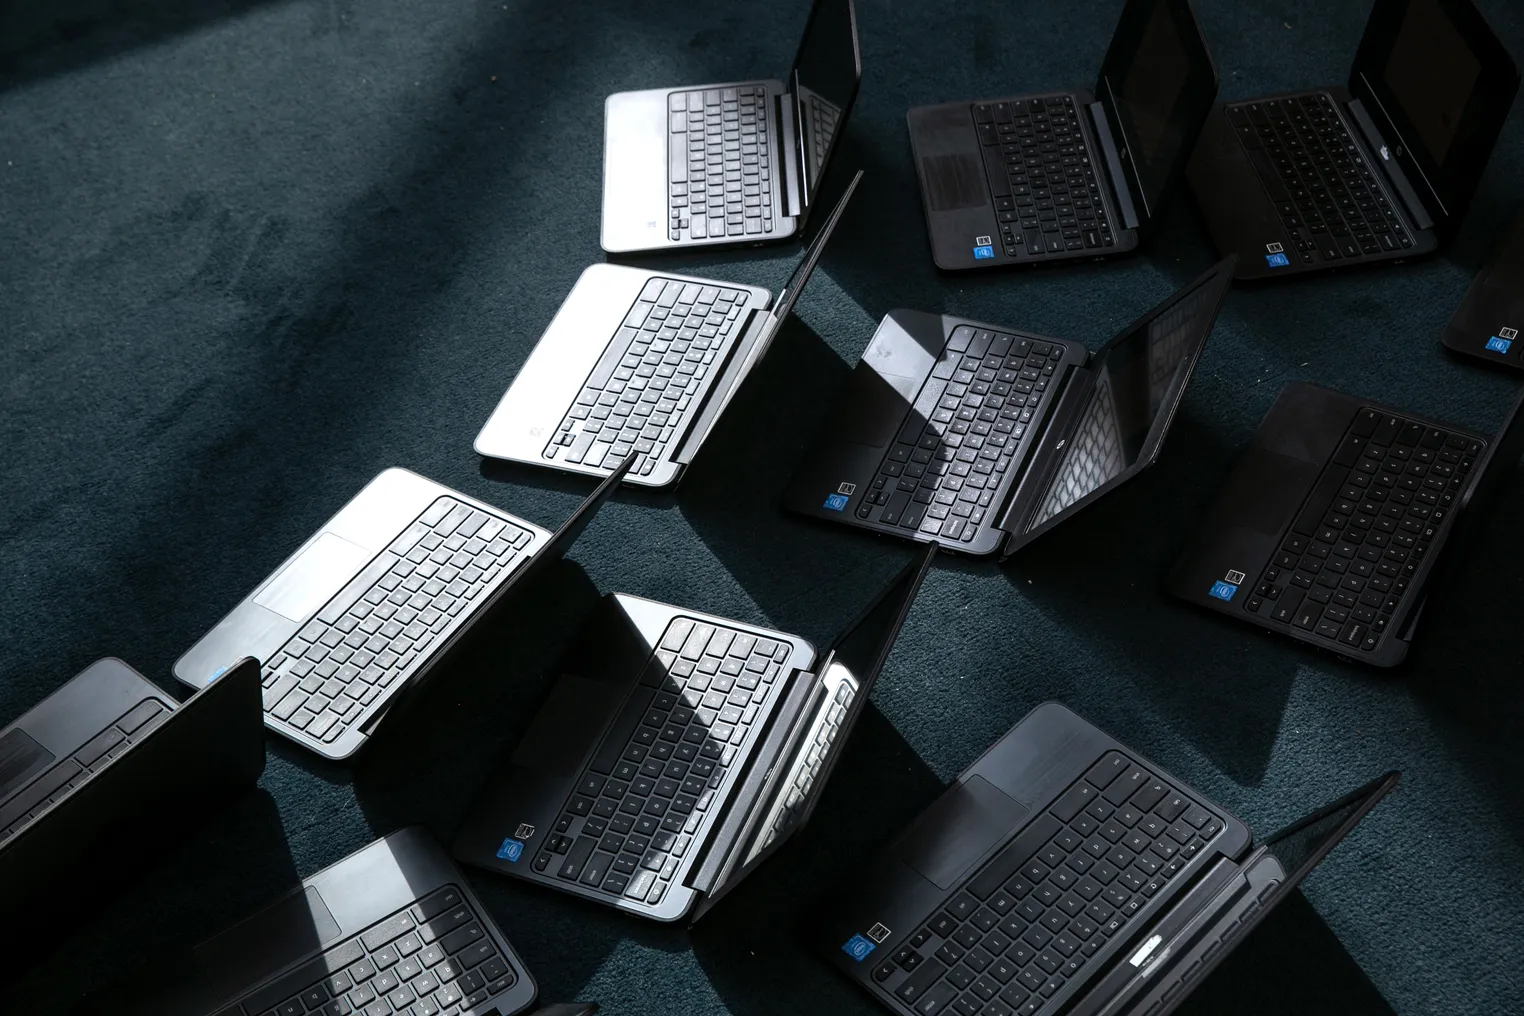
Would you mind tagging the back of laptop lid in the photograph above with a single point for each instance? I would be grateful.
(1157, 86)
(1140, 378)
(199, 755)
(747, 357)
(860, 650)
(1298, 848)
(1438, 83)
(560, 542)
(824, 83)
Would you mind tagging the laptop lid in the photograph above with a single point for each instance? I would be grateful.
(827, 68)
(1140, 378)
(861, 650)
(1168, 970)
(1438, 82)
(202, 752)
(766, 327)
(1157, 86)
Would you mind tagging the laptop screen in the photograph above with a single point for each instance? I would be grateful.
(1140, 378)
(824, 82)
(1158, 85)
(1443, 83)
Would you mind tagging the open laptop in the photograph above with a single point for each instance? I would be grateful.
(1487, 322)
(1064, 872)
(677, 752)
(368, 606)
(733, 163)
(979, 438)
(392, 928)
(109, 761)
(1329, 527)
(640, 362)
(1380, 170)
(1055, 176)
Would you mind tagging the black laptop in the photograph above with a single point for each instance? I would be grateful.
(393, 928)
(978, 438)
(1330, 525)
(677, 753)
(109, 764)
(1487, 322)
(1379, 170)
(1064, 872)
(1064, 175)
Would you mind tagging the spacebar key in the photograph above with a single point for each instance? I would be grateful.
(618, 736)
(305, 976)
(925, 405)
(612, 354)
(1031, 840)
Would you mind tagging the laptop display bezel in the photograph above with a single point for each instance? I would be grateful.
(1192, 106)
(1445, 195)
(807, 187)
(1021, 532)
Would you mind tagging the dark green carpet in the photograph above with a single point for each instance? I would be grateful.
(253, 253)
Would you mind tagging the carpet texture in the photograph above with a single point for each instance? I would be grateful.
(252, 253)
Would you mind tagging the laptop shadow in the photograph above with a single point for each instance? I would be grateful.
(1467, 654)
(424, 767)
(803, 576)
(750, 945)
(177, 899)
(1291, 963)
(1099, 580)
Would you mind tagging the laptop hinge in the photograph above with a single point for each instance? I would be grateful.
(793, 166)
(733, 827)
(1394, 173)
(1046, 450)
(1113, 159)
(736, 367)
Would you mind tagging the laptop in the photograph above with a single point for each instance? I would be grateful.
(677, 752)
(1487, 322)
(1379, 170)
(640, 362)
(391, 928)
(366, 608)
(1065, 872)
(980, 438)
(734, 163)
(1068, 175)
(1329, 527)
(107, 762)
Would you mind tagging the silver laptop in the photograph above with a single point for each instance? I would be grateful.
(367, 606)
(640, 362)
(734, 163)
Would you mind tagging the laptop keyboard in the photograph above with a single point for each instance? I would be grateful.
(56, 782)
(638, 806)
(942, 473)
(433, 958)
(1328, 198)
(1351, 555)
(1061, 891)
(1042, 177)
(322, 679)
(650, 375)
(718, 169)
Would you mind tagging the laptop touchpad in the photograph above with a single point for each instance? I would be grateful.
(875, 405)
(961, 827)
(1267, 489)
(306, 584)
(283, 932)
(565, 726)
